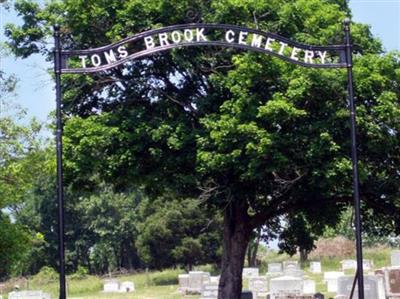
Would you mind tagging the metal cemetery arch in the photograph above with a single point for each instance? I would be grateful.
(187, 35)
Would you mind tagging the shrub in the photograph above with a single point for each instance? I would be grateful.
(339, 247)
(81, 273)
(165, 278)
(45, 276)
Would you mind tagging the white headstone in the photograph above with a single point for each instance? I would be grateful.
(373, 287)
(309, 287)
(290, 265)
(111, 286)
(183, 283)
(395, 258)
(315, 267)
(196, 281)
(274, 268)
(209, 290)
(250, 272)
(368, 265)
(258, 286)
(29, 295)
(349, 265)
(331, 279)
(214, 279)
(293, 272)
(127, 287)
(285, 286)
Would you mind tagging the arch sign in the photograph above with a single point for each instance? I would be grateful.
(190, 35)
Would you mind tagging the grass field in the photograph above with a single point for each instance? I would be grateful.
(164, 285)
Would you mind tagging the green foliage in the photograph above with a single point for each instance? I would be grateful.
(14, 242)
(22, 158)
(46, 275)
(176, 232)
(165, 278)
(242, 130)
(81, 273)
(297, 235)
(108, 223)
(21, 153)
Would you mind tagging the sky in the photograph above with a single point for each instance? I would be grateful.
(35, 89)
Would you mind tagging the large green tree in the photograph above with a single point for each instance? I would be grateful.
(21, 157)
(253, 136)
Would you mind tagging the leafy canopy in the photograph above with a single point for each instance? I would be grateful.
(230, 125)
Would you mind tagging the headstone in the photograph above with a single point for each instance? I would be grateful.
(290, 271)
(258, 286)
(392, 281)
(285, 286)
(319, 296)
(183, 283)
(111, 286)
(290, 265)
(373, 287)
(315, 267)
(274, 268)
(309, 287)
(28, 295)
(395, 258)
(368, 265)
(250, 272)
(196, 281)
(209, 290)
(349, 265)
(127, 287)
(246, 295)
(331, 279)
(214, 279)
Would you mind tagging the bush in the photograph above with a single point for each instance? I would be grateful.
(81, 273)
(338, 247)
(165, 278)
(45, 276)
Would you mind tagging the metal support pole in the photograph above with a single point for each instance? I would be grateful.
(60, 187)
(354, 285)
(356, 193)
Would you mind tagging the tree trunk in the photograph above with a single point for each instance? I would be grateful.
(237, 233)
(255, 249)
(303, 257)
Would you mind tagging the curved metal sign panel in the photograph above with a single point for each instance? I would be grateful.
(188, 35)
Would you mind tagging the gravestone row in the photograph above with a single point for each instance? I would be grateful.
(28, 295)
(114, 286)
(286, 280)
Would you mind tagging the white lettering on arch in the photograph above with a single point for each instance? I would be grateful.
(200, 35)
(257, 40)
(96, 60)
(242, 37)
(230, 36)
(176, 37)
(149, 41)
(110, 56)
(163, 37)
(83, 60)
(123, 53)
